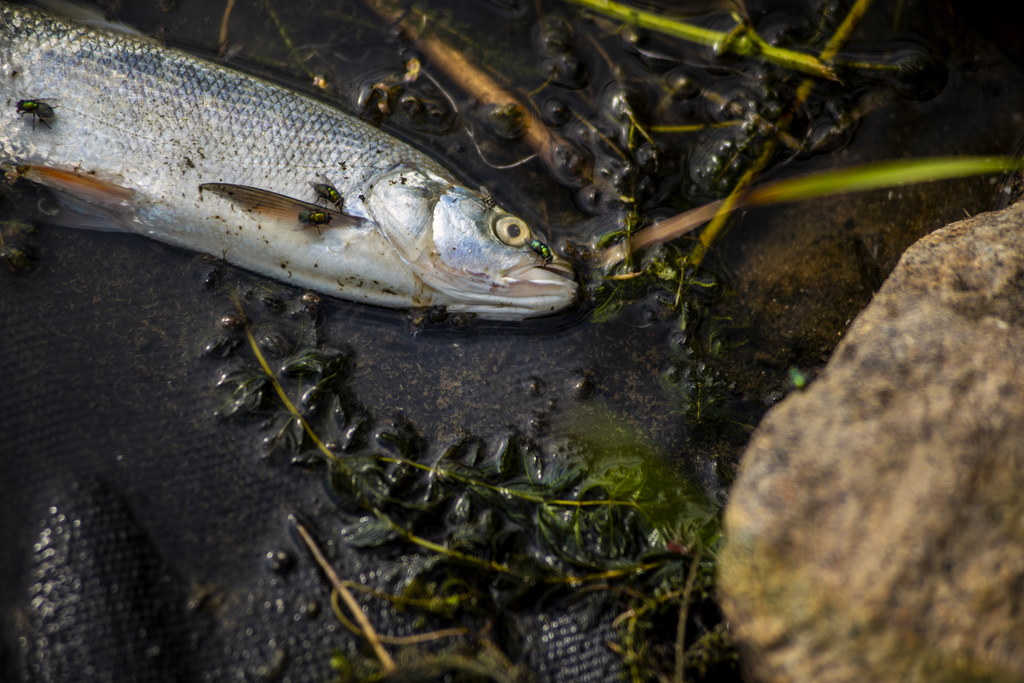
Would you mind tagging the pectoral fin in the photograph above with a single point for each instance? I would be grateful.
(82, 185)
(274, 205)
(85, 200)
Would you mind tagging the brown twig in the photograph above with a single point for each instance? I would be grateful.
(470, 77)
(222, 39)
(353, 606)
(659, 232)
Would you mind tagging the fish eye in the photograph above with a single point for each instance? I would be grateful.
(512, 230)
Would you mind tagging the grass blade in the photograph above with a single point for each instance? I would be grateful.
(877, 176)
(873, 176)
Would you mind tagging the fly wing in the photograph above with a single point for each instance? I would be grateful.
(274, 205)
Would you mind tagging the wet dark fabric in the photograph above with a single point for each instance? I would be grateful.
(101, 604)
(147, 539)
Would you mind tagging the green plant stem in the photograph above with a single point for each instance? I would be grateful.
(842, 34)
(505, 569)
(722, 210)
(401, 600)
(505, 490)
(880, 175)
(608, 574)
(741, 40)
(684, 608)
(632, 618)
(279, 390)
(347, 596)
(694, 127)
(339, 614)
(442, 550)
(718, 224)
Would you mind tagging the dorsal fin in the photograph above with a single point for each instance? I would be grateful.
(87, 16)
(274, 205)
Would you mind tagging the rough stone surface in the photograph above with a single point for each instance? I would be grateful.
(876, 529)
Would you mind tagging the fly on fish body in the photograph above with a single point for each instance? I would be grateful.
(329, 193)
(39, 109)
(543, 250)
(485, 194)
(316, 218)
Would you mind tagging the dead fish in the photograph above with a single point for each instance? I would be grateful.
(156, 141)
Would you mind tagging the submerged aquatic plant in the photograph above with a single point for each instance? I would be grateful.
(15, 253)
(742, 40)
(476, 530)
(479, 528)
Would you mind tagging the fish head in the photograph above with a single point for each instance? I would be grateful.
(476, 256)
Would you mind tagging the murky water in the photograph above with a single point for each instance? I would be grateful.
(102, 351)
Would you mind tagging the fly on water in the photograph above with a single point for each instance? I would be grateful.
(220, 162)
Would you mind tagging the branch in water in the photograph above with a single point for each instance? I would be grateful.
(387, 663)
(470, 77)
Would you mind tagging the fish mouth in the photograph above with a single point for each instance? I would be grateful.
(559, 266)
(540, 288)
(528, 291)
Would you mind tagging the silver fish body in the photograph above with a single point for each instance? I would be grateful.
(138, 128)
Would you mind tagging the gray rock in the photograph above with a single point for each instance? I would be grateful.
(876, 529)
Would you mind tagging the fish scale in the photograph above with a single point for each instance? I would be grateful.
(138, 128)
(151, 79)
